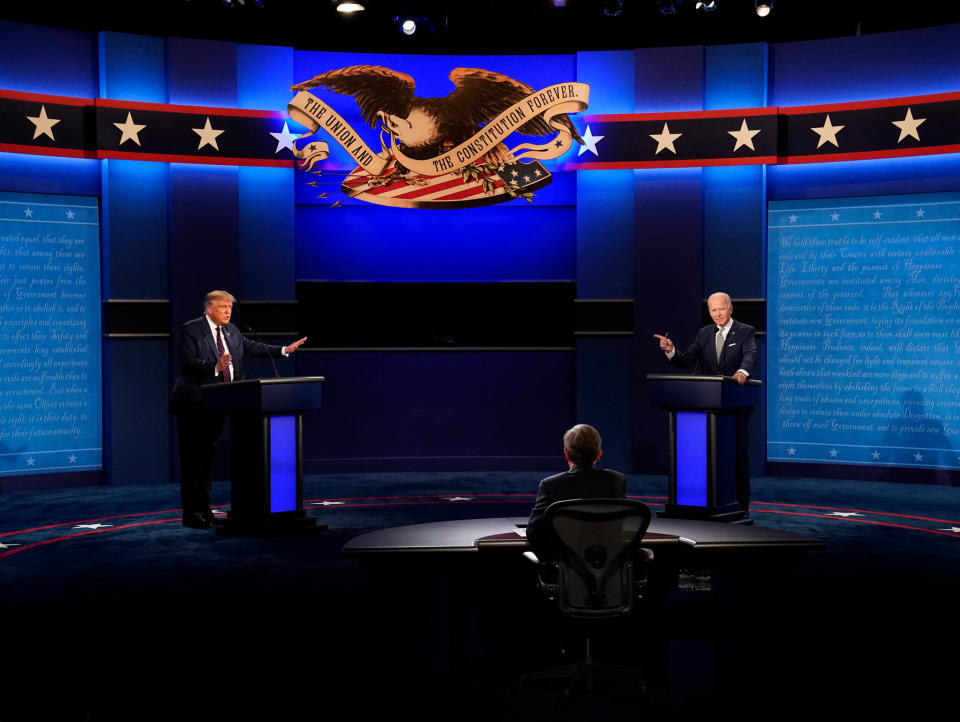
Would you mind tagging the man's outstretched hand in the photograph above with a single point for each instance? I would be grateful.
(665, 343)
(294, 346)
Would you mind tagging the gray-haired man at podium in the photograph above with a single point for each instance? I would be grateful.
(210, 349)
(724, 348)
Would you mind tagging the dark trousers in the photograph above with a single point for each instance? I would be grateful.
(197, 434)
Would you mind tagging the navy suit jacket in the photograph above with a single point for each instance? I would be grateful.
(739, 351)
(197, 357)
(583, 481)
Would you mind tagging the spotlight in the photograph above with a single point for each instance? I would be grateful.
(763, 7)
(408, 26)
(349, 7)
(559, 3)
(708, 6)
(434, 23)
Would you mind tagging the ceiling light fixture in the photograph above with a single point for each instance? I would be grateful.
(763, 7)
(407, 25)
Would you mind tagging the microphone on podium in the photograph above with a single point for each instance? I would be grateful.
(249, 329)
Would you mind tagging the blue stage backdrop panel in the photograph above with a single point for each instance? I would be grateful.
(880, 65)
(375, 243)
(50, 331)
(394, 410)
(515, 240)
(40, 59)
(132, 67)
(864, 312)
(49, 174)
(438, 410)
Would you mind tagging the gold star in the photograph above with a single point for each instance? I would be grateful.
(665, 140)
(129, 130)
(828, 133)
(208, 136)
(908, 126)
(44, 125)
(744, 136)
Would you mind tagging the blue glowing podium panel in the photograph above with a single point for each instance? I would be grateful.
(266, 470)
(283, 463)
(691, 458)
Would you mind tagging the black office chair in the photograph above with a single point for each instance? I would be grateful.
(597, 571)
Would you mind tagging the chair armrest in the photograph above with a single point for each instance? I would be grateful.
(546, 576)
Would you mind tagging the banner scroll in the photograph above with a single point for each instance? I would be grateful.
(550, 102)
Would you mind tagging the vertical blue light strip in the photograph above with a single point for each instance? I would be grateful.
(283, 463)
(692, 458)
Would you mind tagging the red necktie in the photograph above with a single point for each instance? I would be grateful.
(220, 350)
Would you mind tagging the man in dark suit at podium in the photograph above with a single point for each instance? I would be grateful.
(724, 348)
(210, 350)
(582, 480)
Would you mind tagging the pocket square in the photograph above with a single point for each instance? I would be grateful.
(730, 345)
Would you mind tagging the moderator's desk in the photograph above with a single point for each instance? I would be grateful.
(451, 595)
(469, 536)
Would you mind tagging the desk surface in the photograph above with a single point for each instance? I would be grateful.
(466, 536)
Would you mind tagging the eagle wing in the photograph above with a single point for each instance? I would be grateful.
(374, 87)
(481, 95)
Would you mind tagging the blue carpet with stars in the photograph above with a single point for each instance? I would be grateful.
(113, 610)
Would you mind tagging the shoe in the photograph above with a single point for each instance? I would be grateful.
(195, 521)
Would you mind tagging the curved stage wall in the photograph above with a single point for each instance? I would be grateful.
(650, 241)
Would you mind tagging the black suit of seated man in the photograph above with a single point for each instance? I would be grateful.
(210, 350)
(582, 480)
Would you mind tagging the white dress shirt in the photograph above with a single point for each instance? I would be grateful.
(213, 330)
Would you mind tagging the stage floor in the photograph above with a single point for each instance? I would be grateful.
(110, 601)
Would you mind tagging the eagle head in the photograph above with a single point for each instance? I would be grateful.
(418, 129)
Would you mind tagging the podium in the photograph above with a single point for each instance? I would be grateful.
(266, 468)
(709, 454)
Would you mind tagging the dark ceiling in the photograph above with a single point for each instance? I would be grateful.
(485, 26)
